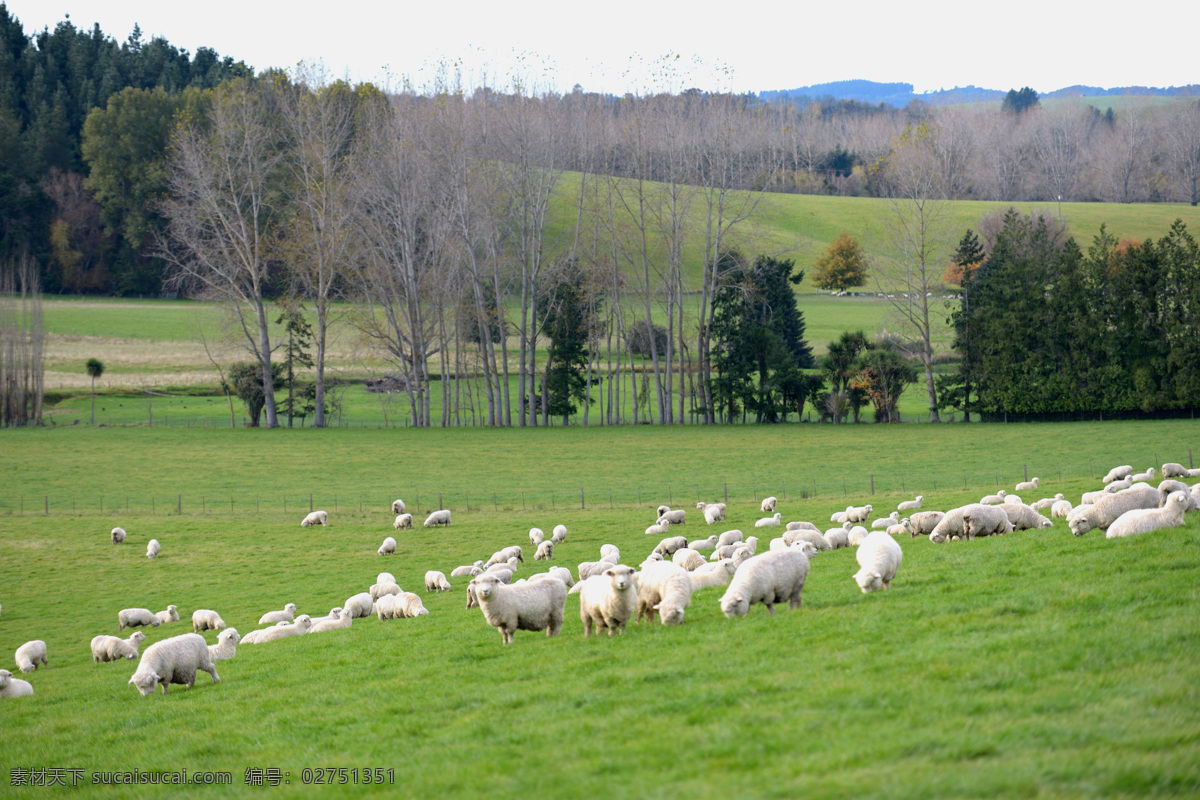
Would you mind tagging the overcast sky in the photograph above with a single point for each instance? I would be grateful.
(620, 45)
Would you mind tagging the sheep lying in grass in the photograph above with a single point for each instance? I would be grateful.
(715, 573)
(993, 499)
(727, 550)
(911, 505)
(1117, 486)
(388, 547)
(904, 526)
(1106, 509)
(283, 630)
(1117, 473)
(886, 522)
(504, 554)
(402, 522)
(608, 600)
(1024, 517)
(30, 655)
(1148, 475)
(205, 619)
(531, 606)
(729, 537)
(688, 558)
(707, 543)
(923, 522)
(798, 525)
(153, 548)
(664, 588)
(118, 535)
(1047, 502)
(170, 614)
(467, 570)
(879, 557)
(435, 581)
(441, 517)
(226, 646)
(1027, 486)
(1146, 520)
(333, 614)
(658, 528)
(315, 518)
(135, 617)
(336, 622)
(768, 522)
(804, 535)
(768, 579)
(768, 505)
(400, 606)
(286, 614)
(174, 660)
(14, 687)
(112, 648)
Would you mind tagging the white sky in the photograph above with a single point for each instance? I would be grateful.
(619, 45)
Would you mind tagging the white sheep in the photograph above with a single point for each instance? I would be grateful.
(664, 588)
(170, 614)
(768, 522)
(470, 570)
(729, 537)
(314, 518)
(505, 574)
(714, 513)
(282, 630)
(1027, 486)
(358, 605)
(1060, 508)
(661, 510)
(30, 655)
(562, 573)
(1047, 502)
(226, 646)
(286, 614)
(118, 535)
(398, 507)
(879, 557)
(904, 526)
(608, 600)
(950, 526)
(993, 499)
(1146, 520)
(135, 617)
(1025, 517)
(658, 528)
(336, 622)
(403, 522)
(379, 590)
(587, 569)
(886, 522)
(982, 520)
(112, 648)
(435, 581)
(401, 606)
(840, 516)
(837, 538)
(911, 505)
(333, 614)
(676, 517)
(856, 535)
(1014, 498)
(388, 547)
(545, 552)
(1148, 475)
(532, 606)
(536, 535)
(768, 505)
(688, 558)
(441, 517)
(205, 619)
(14, 687)
(560, 534)
(858, 513)
(769, 578)
(1088, 498)
(814, 538)
(1117, 486)
(174, 660)
(1165, 488)
(923, 522)
(715, 573)
(727, 550)
(152, 548)
(1106, 509)
(1117, 473)
(708, 543)
(503, 555)
(610, 552)
(802, 525)
(669, 545)
(1174, 470)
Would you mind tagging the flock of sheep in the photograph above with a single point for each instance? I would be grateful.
(611, 594)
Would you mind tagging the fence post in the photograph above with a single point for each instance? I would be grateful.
(310, 508)
(1190, 464)
(726, 485)
(1026, 472)
(467, 497)
(440, 501)
(47, 504)
(610, 498)
(934, 482)
(964, 479)
(178, 504)
(495, 502)
(582, 504)
(873, 483)
(844, 485)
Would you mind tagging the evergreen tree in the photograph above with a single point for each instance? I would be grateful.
(567, 325)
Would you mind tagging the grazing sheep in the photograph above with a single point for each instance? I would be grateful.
(716, 573)
(923, 522)
(1146, 520)
(768, 579)
(704, 544)
(858, 513)
(802, 525)
(608, 600)
(118, 535)
(587, 569)
(205, 619)
(1148, 475)
(840, 516)
(111, 648)
(1047, 502)
(286, 614)
(397, 506)
(152, 548)
(741, 554)
(1117, 473)
(886, 522)
(879, 557)
(610, 552)
(1106, 509)
(1014, 498)
(1060, 508)
(441, 517)
(358, 605)
(401, 606)
(669, 545)
(1024, 517)
(729, 537)
(14, 687)
(658, 528)
(1196, 495)
(980, 520)
(664, 588)
(560, 534)
(561, 573)
(301, 626)
(714, 513)
(466, 570)
(532, 606)
(837, 538)
(769, 522)
(727, 550)
(1174, 470)
(768, 505)
(135, 617)
(379, 590)
(911, 505)
(403, 522)
(170, 614)
(950, 526)
(993, 499)
(545, 552)
(676, 517)
(536, 535)
(173, 660)
(388, 547)
(904, 526)
(503, 555)
(334, 622)
(662, 510)
(315, 518)
(688, 558)
(1167, 487)
(30, 655)
(816, 539)
(226, 646)
(1088, 498)
(435, 581)
(1027, 486)
(856, 535)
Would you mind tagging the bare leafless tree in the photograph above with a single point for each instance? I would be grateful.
(22, 343)
(1183, 138)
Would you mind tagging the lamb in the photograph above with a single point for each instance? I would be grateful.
(688, 558)
(536, 535)
(837, 538)
(226, 646)
(379, 590)
(1146, 520)
(509, 566)
(1060, 508)
(950, 526)
(1167, 487)
(533, 606)
(768, 505)
(545, 552)
(608, 600)
(388, 547)
(1173, 470)
(111, 648)
(358, 605)
(1088, 498)
(610, 552)
(912, 505)
(14, 687)
(856, 535)
(886, 522)
(802, 525)
(503, 555)
(435, 581)
(1117, 473)
(840, 516)
(714, 514)
(173, 660)
(729, 537)
(1148, 475)
(727, 550)
(662, 510)
(858, 513)
(741, 554)
(472, 570)
(286, 614)
(135, 617)
(1047, 502)
(1027, 486)
(981, 520)
(561, 573)
(505, 574)
(658, 528)
(676, 517)
(717, 573)
(397, 506)
(1106, 509)
(993, 499)
(152, 548)
(403, 522)
(704, 544)
(30, 654)
(669, 545)
(816, 539)
(879, 557)
(170, 614)
(923, 522)
(315, 518)
(665, 588)
(333, 615)
(905, 526)
(587, 569)
(401, 606)
(385, 577)
(301, 626)
(335, 622)
(205, 619)
(118, 535)
(769, 522)
(1014, 498)
(1117, 486)
(768, 579)
(1024, 517)
(441, 517)
(560, 534)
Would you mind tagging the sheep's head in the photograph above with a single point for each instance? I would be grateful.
(869, 580)
(671, 615)
(137, 638)
(146, 682)
(155, 622)
(5, 678)
(621, 577)
(734, 604)
(485, 585)
(290, 608)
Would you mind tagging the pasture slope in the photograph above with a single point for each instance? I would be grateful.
(1036, 663)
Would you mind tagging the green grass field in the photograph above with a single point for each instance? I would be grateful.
(1036, 663)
